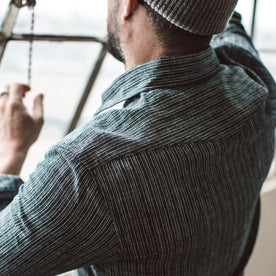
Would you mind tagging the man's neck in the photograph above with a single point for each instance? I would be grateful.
(140, 44)
(142, 55)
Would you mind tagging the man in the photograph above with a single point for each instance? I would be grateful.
(165, 179)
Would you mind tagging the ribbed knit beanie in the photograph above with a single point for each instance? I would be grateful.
(204, 17)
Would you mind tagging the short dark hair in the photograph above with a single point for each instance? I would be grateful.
(171, 36)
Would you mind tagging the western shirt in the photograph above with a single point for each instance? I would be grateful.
(164, 180)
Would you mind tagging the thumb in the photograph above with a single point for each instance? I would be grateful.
(38, 108)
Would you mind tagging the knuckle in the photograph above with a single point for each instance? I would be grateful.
(40, 121)
(13, 106)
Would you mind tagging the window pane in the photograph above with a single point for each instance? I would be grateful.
(266, 24)
(270, 61)
(83, 17)
(3, 8)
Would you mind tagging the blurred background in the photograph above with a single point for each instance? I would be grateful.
(61, 70)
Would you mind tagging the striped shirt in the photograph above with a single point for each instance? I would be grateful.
(164, 180)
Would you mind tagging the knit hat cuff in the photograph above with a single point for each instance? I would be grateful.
(204, 17)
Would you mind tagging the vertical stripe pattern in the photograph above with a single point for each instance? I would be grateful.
(168, 184)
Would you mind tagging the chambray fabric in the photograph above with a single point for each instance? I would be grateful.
(168, 184)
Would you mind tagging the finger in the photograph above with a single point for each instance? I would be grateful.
(17, 91)
(38, 108)
(3, 101)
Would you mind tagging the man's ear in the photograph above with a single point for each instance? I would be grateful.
(129, 6)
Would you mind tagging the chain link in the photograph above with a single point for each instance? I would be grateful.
(23, 3)
(31, 4)
(31, 46)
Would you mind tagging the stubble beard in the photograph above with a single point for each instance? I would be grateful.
(113, 39)
(114, 48)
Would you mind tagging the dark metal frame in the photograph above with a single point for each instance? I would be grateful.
(7, 27)
(253, 24)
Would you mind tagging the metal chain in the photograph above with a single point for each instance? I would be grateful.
(31, 46)
(23, 3)
(31, 4)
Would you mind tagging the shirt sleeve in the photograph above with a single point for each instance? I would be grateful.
(236, 35)
(235, 48)
(57, 222)
(9, 185)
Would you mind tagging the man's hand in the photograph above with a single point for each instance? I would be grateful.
(18, 129)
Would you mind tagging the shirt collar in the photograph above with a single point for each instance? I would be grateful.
(163, 72)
